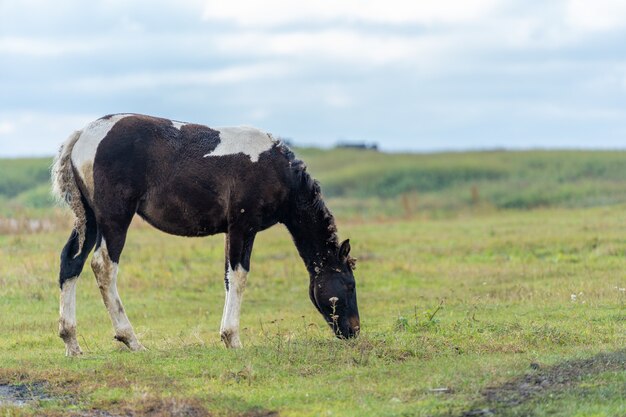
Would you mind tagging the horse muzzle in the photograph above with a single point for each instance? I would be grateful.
(349, 329)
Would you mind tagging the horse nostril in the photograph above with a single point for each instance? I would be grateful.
(354, 323)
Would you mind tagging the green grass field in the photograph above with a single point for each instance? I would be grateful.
(507, 313)
(489, 283)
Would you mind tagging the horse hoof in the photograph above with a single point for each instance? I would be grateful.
(130, 340)
(137, 347)
(231, 339)
(73, 351)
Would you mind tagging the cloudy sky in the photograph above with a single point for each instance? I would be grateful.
(408, 74)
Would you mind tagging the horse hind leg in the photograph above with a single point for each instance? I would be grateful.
(105, 267)
(71, 266)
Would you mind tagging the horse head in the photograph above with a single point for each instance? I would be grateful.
(333, 292)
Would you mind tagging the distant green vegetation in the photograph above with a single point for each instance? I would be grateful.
(24, 184)
(501, 179)
(370, 182)
(20, 175)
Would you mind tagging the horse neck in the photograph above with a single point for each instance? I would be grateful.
(312, 227)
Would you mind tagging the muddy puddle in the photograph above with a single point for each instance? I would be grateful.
(33, 394)
(22, 395)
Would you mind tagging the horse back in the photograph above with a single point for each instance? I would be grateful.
(184, 178)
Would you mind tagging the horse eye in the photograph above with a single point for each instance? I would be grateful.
(350, 287)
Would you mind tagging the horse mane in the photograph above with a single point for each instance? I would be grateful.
(307, 193)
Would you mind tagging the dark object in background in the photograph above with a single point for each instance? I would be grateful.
(355, 145)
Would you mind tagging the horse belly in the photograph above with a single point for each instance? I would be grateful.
(184, 213)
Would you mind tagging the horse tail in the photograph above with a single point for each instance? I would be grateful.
(65, 188)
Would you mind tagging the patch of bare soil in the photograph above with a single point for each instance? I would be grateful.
(168, 408)
(171, 407)
(153, 407)
(20, 395)
(92, 413)
(28, 394)
(260, 413)
(544, 380)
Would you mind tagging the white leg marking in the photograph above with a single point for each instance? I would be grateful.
(226, 285)
(222, 325)
(106, 276)
(229, 331)
(67, 321)
(247, 140)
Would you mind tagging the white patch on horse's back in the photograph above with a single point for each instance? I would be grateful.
(178, 125)
(84, 151)
(247, 140)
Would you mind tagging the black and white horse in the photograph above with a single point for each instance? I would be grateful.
(190, 180)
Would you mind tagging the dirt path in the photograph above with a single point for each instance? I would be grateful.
(543, 381)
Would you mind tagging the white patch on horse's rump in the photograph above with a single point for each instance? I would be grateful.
(84, 151)
(247, 140)
(178, 125)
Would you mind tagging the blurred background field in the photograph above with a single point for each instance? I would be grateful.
(367, 184)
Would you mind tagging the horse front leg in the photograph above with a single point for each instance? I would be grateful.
(236, 282)
(226, 285)
(238, 251)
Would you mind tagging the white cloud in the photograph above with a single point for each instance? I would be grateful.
(259, 114)
(6, 127)
(348, 46)
(38, 133)
(269, 13)
(183, 78)
(564, 111)
(338, 99)
(453, 30)
(596, 15)
(42, 47)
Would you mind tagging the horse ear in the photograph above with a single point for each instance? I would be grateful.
(344, 249)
